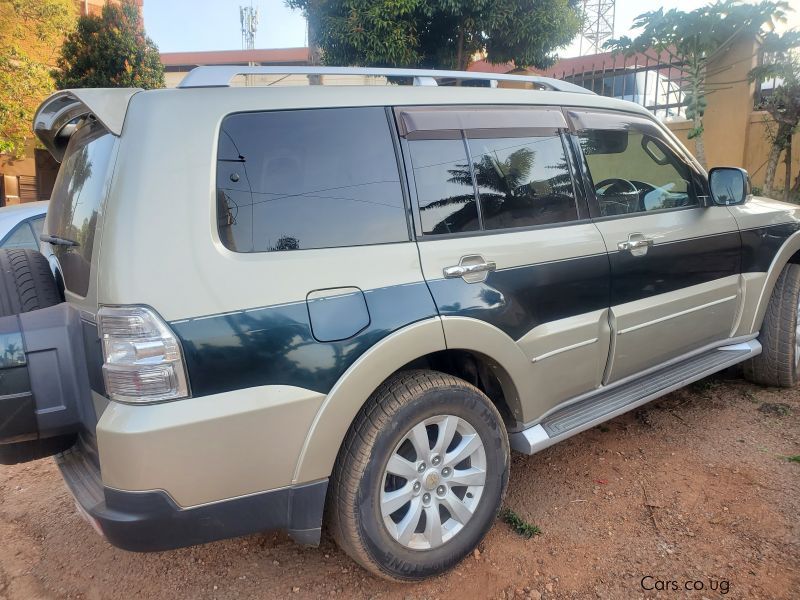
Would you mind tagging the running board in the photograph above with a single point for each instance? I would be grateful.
(606, 404)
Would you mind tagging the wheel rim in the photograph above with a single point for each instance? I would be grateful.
(433, 482)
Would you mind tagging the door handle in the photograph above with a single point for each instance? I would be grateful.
(637, 244)
(462, 270)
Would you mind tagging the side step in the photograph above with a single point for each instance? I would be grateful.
(607, 403)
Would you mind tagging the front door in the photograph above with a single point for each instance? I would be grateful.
(515, 266)
(674, 262)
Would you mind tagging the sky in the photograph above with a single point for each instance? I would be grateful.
(190, 25)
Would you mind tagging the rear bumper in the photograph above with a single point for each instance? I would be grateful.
(150, 521)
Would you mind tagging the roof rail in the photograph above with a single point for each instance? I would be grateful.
(221, 76)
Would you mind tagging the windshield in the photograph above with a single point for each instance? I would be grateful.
(77, 195)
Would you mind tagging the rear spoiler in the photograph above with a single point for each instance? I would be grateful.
(52, 123)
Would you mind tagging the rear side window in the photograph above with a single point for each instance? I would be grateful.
(302, 179)
(523, 182)
(79, 190)
(518, 182)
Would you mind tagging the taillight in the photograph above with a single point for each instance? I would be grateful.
(142, 357)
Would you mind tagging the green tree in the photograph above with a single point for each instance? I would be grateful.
(782, 105)
(439, 33)
(696, 38)
(110, 50)
(30, 35)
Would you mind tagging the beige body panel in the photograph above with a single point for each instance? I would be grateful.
(549, 365)
(659, 328)
(207, 449)
(512, 249)
(754, 291)
(569, 355)
(666, 325)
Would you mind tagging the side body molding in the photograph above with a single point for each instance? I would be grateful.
(346, 398)
(753, 313)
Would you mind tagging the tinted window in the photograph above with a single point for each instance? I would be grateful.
(523, 181)
(293, 180)
(633, 170)
(77, 194)
(445, 192)
(21, 237)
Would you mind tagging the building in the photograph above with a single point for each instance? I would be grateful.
(93, 7)
(178, 64)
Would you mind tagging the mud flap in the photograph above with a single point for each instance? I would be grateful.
(45, 398)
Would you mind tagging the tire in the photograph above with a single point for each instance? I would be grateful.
(361, 484)
(26, 282)
(777, 365)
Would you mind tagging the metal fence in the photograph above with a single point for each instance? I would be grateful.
(657, 82)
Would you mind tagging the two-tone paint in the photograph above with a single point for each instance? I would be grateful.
(266, 374)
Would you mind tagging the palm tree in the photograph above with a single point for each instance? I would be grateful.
(504, 186)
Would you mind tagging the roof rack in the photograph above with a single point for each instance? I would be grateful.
(221, 76)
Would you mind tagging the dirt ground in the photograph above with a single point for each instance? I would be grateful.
(695, 489)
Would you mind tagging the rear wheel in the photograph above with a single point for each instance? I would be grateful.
(779, 362)
(420, 476)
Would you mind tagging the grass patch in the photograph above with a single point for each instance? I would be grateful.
(518, 524)
(775, 409)
(749, 395)
(794, 459)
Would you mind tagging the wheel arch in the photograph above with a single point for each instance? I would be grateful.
(420, 343)
(788, 253)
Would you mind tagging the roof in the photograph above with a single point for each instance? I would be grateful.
(275, 56)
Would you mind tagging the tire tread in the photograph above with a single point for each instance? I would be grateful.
(775, 366)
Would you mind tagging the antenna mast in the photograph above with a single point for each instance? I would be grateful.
(248, 16)
(598, 25)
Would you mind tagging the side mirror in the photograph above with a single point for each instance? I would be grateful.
(729, 186)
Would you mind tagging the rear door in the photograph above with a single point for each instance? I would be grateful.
(513, 262)
(674, 262)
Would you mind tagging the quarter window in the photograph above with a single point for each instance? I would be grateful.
(294, 180)
(523, 182)
(634, 171)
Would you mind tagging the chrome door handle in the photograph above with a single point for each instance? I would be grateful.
(637, 244)
(461, 270)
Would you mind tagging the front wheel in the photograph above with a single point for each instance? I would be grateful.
(778, 364)
(420, 476)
